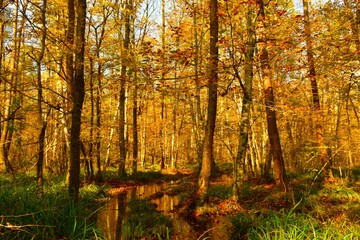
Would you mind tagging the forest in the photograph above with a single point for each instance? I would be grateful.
(179, 119)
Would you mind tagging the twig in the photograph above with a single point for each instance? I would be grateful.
(18, 227)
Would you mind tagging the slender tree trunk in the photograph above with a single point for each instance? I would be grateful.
(348, 128)
(77, 93)
(337, 122)
(41, 120)
(208, 157)
(61, 135)
(122, 99)
(198, 116)
(316, 108)
(70, 35)
(11, 104)
(174, 114)
(69, 75)
(89, 165)
(3, 153)
(291, 145)
(246, 100)
(355, 23)
(143, 105)
(143, 139)
(162, 117)
(66, 147)
(111, 135)
(99, 176)
(19, 125)
(95, 119)
(273, 133)
(135, 152)
(99, 39)
(174, 140)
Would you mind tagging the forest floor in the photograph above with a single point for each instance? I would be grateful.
(310, 210)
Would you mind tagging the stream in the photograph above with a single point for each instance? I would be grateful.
(111, 217)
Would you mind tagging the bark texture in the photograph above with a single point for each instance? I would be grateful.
(77, 94)
(269, 99)
(208, 157)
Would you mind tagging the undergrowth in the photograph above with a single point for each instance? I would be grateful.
(26, 215)
(310, 211)
(330, 211)
(291, 225)
(143, 176)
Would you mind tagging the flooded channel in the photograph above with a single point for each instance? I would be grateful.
(112, 218)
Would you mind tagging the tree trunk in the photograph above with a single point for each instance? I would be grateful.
(324, 158)
(77, 94)
(98, 121)
(89, 164)
(162, 117)
(11, 104)
(99, 37)
(135, 152)
(143, 138)
(69, 75)
(272, 129)
(246, 100)
(135, 126)
(3, 153)
(348, 128)
(41, 120)
(208, 157)
(111, 135)
(173, 150)
(122, 98)
(198, 116)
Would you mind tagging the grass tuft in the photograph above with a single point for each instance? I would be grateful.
(290, 225)
(27, 215)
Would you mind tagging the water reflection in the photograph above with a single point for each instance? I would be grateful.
(112, 217)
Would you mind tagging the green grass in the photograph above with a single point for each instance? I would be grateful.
(49, 216)
(219, 192)
(322, 211)
(290, 225)
(329, 211)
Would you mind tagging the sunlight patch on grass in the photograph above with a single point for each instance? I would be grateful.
(289, 225)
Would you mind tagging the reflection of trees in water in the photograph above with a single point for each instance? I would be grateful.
(120, 214)
(113, 219)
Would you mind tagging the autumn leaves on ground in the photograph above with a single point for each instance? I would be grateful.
(245, 112)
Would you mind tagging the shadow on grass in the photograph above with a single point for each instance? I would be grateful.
(52, 215)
